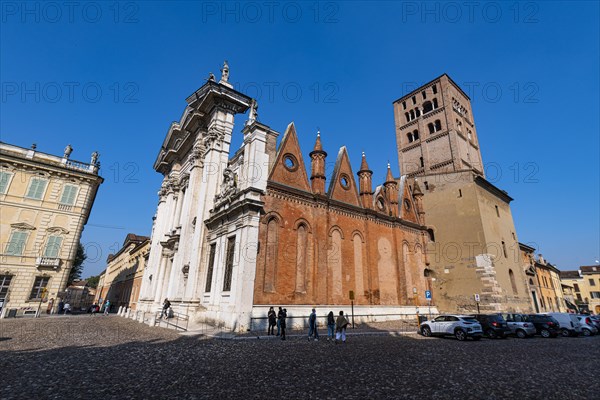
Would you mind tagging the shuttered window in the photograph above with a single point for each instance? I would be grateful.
(16, 243)
(53, 246)
(37, 186)
(4, 179)
(68, 195)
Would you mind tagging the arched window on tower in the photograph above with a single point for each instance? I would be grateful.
(431, 127)
(412, 114)
(435, 103)
(438, 125)
(409, 136)
(427, 107)
(415, 135)
(513, 282)
(407, 117)
(422, 161)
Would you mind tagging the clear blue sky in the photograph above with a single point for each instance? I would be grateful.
(112, 76)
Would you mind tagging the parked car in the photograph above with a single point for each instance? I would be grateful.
(596, 321)
(519, 325)
(588, 328)
(545, 325)
(494, 326)
(460, 326)
(569, 323)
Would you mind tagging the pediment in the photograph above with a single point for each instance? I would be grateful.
(23, 225)
(289, 168)
(342, 186)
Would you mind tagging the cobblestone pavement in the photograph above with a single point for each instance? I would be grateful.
(115, 358)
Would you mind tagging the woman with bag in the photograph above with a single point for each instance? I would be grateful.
(340, 328)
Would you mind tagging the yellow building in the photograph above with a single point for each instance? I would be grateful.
(45, 201)
(120, 282)
(543, 281)
(586, 287)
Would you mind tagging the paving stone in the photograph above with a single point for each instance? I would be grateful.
(117, 358)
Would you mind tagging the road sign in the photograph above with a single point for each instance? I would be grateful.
(477, 297)
(428, 294)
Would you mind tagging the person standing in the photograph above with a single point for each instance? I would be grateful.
(67, 308)
(61, 307)
(165, 308)
(282, 323)
(279, 314)
(272, 321)
(330, 326)
(106, 307)
(312, 325)
(340, 328)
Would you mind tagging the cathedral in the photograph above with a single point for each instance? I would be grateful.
(238, 231)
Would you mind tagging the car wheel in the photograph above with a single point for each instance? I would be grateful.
(545, 333)
(521, 334)
(587, 332)
(565, 332)
(460, 334)
(426, 331)
(491, 334)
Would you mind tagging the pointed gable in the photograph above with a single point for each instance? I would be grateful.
(342, 186)
(407, 213)
(289, 168)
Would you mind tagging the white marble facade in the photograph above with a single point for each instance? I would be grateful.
(208, 198)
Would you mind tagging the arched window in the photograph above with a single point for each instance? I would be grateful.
(412, 114)
(301, 261)
(438, 125)
(431, 128)
(271, 255)
(435, 103)
(418, 112)
(407, 117)
(422, 161)
(513, 283)
(415, 135)
(427, 106)
(409, 136)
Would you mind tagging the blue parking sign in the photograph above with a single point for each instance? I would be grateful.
(428, 294)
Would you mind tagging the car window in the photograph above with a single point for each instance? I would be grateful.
(469, 319)
(518, 318)
(451, 318)
(440, 319)
(509, 318)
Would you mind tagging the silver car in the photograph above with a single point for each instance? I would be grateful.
(588, 328)
(519, 325)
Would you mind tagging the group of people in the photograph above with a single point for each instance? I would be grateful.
(336, 327)
(277, 320)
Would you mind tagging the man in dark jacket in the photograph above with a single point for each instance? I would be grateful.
(279, 314)
(272, 321)
(282, 323)
(312, 325)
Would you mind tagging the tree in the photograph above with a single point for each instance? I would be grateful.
(77, 266)
(92, 281)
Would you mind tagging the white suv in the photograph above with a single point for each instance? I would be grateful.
(460, 326)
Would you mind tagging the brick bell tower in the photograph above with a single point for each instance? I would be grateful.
(435, 130)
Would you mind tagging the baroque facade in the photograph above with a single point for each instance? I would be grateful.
(237, 233)
(45, 201)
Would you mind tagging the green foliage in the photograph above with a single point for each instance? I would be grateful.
(92, 281)
(77, 266)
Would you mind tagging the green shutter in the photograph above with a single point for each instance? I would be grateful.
(53, 246)
(4, 177)
(36, 188)
(16, 244)
(68, 195)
